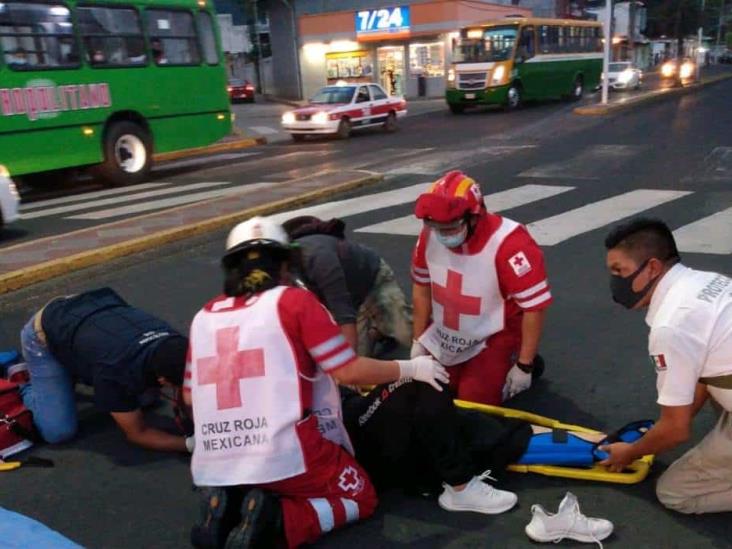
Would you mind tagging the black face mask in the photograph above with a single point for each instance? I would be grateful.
(622, 288)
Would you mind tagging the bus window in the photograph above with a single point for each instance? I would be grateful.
(549, 39)
(37, 36)
(112, 36)
(208, 38)
(172, 37)
(527, 43)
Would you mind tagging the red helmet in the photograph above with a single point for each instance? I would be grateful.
(450, 198)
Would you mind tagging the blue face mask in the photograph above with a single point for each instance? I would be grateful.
(452, 240)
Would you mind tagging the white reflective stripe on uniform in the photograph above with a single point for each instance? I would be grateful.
(337, 360)
(351, 508)
(325, 513)
(546, 296)
(420, 270)
(419, 278)
(327, 346)
(531, 291)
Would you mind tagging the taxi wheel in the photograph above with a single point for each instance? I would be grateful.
(297, 137)
(344, 129)
(390, 124)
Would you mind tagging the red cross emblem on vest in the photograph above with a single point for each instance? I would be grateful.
(228, 367)
(454, 302)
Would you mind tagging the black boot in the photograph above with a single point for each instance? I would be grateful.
(220, 512)
(261, 523)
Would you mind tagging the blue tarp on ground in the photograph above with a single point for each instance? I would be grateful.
(20, 532)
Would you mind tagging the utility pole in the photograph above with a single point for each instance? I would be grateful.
(699, 44)
(721, 22)
(606, 48)
(257, 45)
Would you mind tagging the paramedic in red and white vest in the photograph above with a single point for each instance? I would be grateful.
(264, 361)
(480, 292)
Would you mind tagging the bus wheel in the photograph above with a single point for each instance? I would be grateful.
(457, 109)
(127, 154)
(578, 89)
(513, 97)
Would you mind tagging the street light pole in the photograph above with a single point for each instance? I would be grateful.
(699, 43)
(606, 49)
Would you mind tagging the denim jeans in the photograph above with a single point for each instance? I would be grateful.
(50, 393)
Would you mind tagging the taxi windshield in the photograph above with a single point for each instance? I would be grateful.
(334, 94)
(496, 44)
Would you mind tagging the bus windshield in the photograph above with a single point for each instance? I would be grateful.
(496, 45)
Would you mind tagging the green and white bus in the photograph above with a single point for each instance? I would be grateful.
(505, 62)
(107, 83)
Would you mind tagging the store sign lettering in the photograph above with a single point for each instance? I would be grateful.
(385, 20)
(43, 99)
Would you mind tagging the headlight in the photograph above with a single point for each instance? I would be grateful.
(451, 75)
(625, 76)
(498, 74)
(320, 118)
(4, 171)
(288, 118)
(668, 69)
(13, 189)
(687, 69)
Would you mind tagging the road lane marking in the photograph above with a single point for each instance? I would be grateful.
(202, 160)
(564, 226)
(709, 235)
(441, 162)
(119, 199)
(264, 130)
(88, 196)
(717, 166)
(592, 163)
(169, 202)
(360, 204)
(496, 202)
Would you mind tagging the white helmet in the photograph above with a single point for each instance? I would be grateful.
(257, 231)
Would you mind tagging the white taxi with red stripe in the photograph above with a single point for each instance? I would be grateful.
(338, 110)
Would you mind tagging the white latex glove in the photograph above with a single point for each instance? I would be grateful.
(417, 350)
(425, 369)
(516, 381)
(190, 443)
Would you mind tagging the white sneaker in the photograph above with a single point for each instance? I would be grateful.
(569, 522)
(477, 496)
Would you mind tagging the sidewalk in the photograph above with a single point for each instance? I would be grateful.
(45, 258)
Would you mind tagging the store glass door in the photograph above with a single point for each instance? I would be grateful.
(391, 68)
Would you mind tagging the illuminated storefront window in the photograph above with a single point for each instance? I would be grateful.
(427, 59)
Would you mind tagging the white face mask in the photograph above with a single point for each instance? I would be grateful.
(452, 240)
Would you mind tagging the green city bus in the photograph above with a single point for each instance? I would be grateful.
(505, 62)
(107, 83)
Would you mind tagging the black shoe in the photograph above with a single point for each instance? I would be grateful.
(538, 370)
(261, 522)
(219, 514)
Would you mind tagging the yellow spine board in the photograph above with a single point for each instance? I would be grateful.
(637, 471)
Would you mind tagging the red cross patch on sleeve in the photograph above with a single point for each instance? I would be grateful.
(520, 264)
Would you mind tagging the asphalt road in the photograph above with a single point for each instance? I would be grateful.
(568, 178)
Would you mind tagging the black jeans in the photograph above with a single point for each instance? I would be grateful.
(407, 434)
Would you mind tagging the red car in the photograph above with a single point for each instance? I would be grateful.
(240, 90)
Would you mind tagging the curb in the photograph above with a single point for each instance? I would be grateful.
(601, 110)
(226, 146)
(16, 280)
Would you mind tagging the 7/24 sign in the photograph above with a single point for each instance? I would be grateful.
(384, 20)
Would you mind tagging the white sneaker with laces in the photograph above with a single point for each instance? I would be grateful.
(568, 522)
(477, 496)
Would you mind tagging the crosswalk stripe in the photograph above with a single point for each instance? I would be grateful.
(168, 202)
(128, 198)
(564, 226)
(709, 235)
(360, 204)
(88, 196)
(264, 130)
(438, 163)
(202, 160)
(592, 163)
(496, 202)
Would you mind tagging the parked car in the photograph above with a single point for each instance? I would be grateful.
(337, 110)
(726, 58)
(9, 198)
(679, 71)
(240, 90)
(624, 76)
